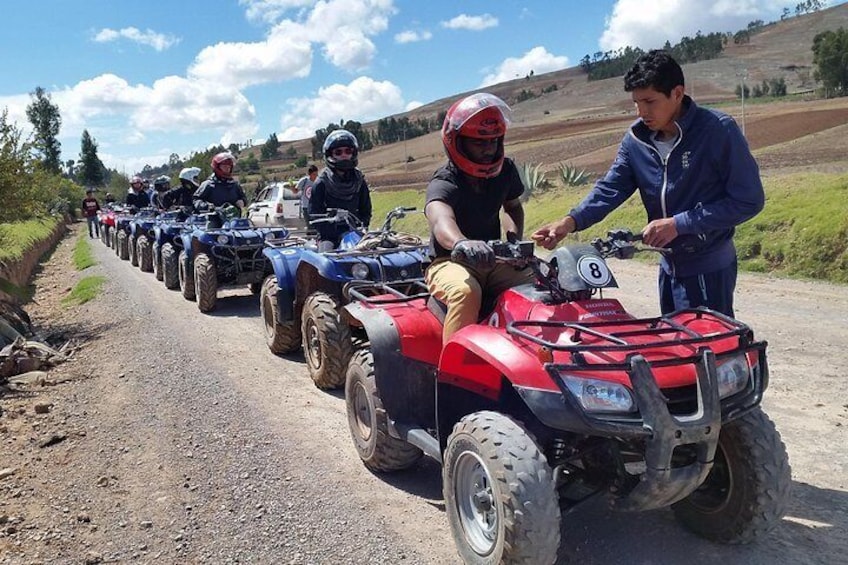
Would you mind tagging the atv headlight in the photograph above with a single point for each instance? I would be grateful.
(360, 271)
(733, 375)
(223, 240)
(600, 396)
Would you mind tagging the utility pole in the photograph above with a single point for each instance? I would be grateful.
(743, 75)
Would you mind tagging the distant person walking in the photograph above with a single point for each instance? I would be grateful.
(90, 207)
(304, 188)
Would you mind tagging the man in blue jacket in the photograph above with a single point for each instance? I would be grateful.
(697, 180)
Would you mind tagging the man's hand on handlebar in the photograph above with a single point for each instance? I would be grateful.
(473, 253)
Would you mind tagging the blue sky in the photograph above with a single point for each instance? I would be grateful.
(148, 79)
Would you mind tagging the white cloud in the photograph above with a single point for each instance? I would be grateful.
(472, 23)
(410, 36)
(650, 23)
(344, 28)
(537, 60)
(159, 41)
(270, 11)
(283, 55)
(412, 105)
(364, 99)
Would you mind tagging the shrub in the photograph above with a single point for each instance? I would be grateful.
(572, 176)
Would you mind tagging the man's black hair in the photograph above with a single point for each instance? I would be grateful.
(655, 69)
(312, 169)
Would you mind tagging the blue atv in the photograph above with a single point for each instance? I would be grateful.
(124, 242)
(140, 243)
(225, 250)
(167, 243)
(301, 300)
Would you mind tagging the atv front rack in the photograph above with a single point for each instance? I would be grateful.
(618, 340)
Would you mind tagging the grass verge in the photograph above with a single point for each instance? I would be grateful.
(82, 256)
(86, 289)
(17, 237)
(801, 233)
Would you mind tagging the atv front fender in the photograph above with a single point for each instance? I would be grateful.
(284, 263)
(477, 356)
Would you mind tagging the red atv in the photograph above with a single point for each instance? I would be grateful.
(558, 394)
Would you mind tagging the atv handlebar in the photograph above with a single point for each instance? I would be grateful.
(621, 244)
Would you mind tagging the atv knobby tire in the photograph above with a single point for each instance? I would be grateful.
(368, 422)
(500, 494)
(170, 267)
(205, 282)
(327, 346)
(144, 254)
(746, 493)
(123, 249)
(186, 275)
(281, 338)
(133, 251)
(157, 262)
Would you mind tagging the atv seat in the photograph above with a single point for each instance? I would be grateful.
(440, 309)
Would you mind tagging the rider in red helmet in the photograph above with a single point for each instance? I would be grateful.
(220, 188)
(464, 201)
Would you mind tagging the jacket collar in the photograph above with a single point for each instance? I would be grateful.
(642, 132)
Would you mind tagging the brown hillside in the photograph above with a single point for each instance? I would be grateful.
(582, 121)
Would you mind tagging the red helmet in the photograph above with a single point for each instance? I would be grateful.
(222, 159)
(479, 116)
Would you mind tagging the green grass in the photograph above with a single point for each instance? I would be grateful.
(17, 237)
(801, 233)
(86, 289)
(82, 256)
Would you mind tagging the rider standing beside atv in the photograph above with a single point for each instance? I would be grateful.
(90, 207)
(220, 188)
(340, 185)
(137, 197)
(697, 179)
(183, 196)
(464, 200)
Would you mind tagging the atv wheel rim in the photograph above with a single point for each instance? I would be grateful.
(475, 501)
(715, 492)
(313, 344)
(362, 412)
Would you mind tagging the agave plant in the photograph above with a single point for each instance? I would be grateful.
(572, 176)
(533, 179)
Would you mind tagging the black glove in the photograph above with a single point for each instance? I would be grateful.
(473, 253)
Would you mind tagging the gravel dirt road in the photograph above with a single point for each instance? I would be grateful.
(177, 437)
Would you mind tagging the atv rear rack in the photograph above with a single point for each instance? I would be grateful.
(375, 293)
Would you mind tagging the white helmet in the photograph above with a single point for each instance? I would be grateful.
(190, 174)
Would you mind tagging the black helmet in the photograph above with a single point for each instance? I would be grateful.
(336, 140)
(161, 183)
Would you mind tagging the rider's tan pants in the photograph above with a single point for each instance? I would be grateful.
(461, 289)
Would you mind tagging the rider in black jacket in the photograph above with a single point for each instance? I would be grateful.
(183, 196)
(220, 188)
(340, 185)
(137, 197)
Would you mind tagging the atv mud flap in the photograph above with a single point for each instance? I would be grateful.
(661, 484)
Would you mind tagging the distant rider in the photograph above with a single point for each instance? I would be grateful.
(161, 185)
(182, 196)
(220, 188)
(137, 197)
(340, 185)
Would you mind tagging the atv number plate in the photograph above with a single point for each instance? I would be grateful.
(593, 271)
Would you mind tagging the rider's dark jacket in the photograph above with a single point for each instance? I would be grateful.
(709, 183)
(218, 191)
(347, 191)
(179, 197)
(138, 199)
